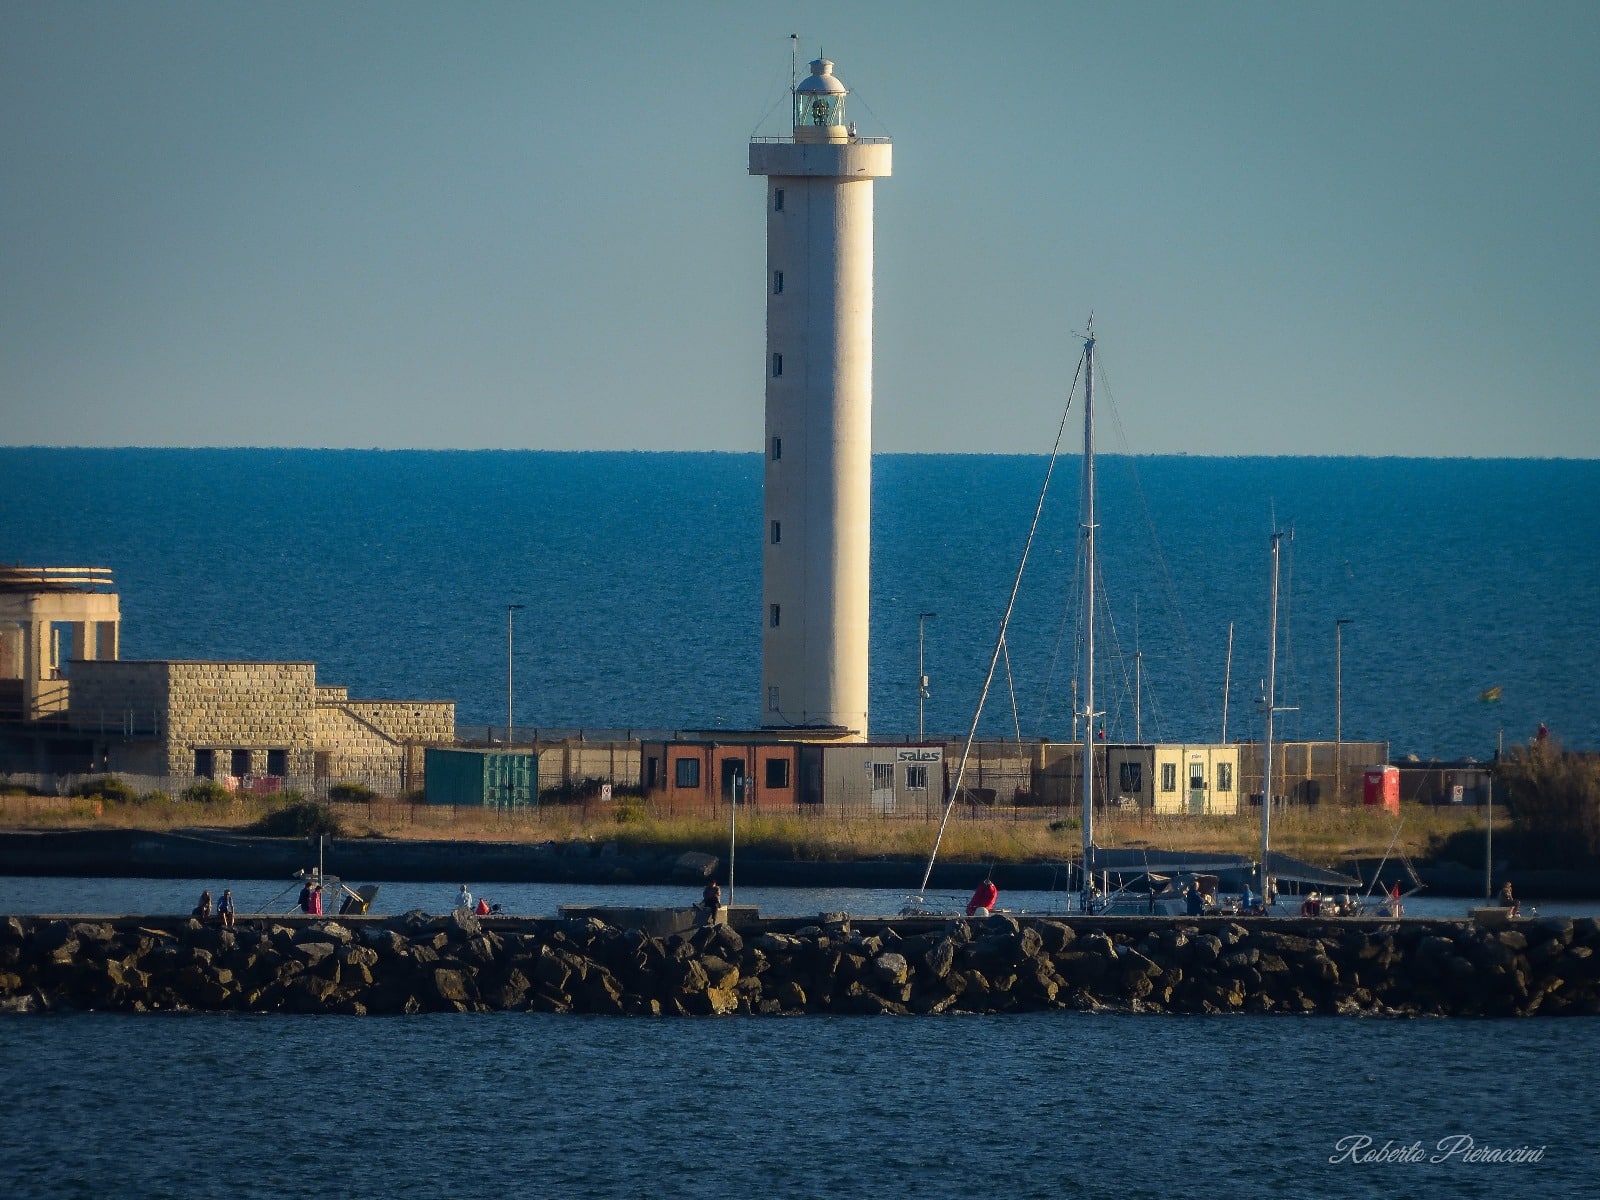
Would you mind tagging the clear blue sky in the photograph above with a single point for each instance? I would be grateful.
(1342, 228)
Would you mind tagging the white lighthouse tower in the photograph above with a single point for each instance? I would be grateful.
(818, 485)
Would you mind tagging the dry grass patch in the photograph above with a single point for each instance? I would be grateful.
(1324, 834)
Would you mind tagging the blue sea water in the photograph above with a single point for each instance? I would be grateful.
(641, 579)
(1039, 1106)
(69, 896)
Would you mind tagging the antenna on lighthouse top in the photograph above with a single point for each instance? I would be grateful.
(794, 61)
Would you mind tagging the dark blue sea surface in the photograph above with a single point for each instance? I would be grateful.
(1044, 1106)
(641, 577)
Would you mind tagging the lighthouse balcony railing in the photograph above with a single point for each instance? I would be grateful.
(856, 141)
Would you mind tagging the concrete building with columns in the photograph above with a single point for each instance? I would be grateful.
(48, 617)
(817, 488)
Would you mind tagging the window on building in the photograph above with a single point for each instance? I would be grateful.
(688, 772)
(777, 448)
(240, 764)
(277, 762)
(1169, 777)
(777, 199)
(1225, 777)
(777, 364)
(205, 764)
(1131, 776)
(777, 532)
(652, 771)
(777, 283)
(917, 778)
(777, 771)
(882, 776)
(777, 611)
(772, 699)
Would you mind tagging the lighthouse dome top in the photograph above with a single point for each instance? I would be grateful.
(821, 81)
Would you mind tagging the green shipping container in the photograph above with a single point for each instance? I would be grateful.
(492, 778)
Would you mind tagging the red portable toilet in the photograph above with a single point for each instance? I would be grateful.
(1381, 786)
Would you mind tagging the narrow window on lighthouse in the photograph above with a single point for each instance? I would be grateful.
(772, 704)
(777, 536)
(777, 199)
(777, 364)
(777, 283)
(776, 611)
(777, 448)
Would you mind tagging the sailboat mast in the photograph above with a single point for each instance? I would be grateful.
(1272, 700)
(1088, 610)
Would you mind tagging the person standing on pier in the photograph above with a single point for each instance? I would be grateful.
(225, 908)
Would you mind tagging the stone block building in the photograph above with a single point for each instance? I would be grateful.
(221, 720)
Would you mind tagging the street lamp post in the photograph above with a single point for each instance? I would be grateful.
(922, 678)
(1338, 707)
(510, 612)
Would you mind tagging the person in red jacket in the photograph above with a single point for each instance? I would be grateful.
(983, 898)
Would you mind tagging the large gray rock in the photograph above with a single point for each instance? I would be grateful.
(461, 924)
(891, 969)
(719, 972)
(941, 957)
(1055, 936)
(314, 954)
(450, 986)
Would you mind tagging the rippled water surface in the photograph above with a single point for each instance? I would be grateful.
(1048, 1105)
(49, 894)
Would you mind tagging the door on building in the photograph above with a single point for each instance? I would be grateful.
(1197, 787)
(883, 788)
(732, 779)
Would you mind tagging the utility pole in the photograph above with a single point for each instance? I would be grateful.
(922, 677)
(1488, 831)
(510, 611)
(1338, 707)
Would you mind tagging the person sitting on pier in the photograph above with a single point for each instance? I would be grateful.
(983, 899)
(203, 909)
(1507, 900)
(1311, 906)
(711, 898)
(225, 908)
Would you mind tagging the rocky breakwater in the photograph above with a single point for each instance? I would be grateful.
(458, 964)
